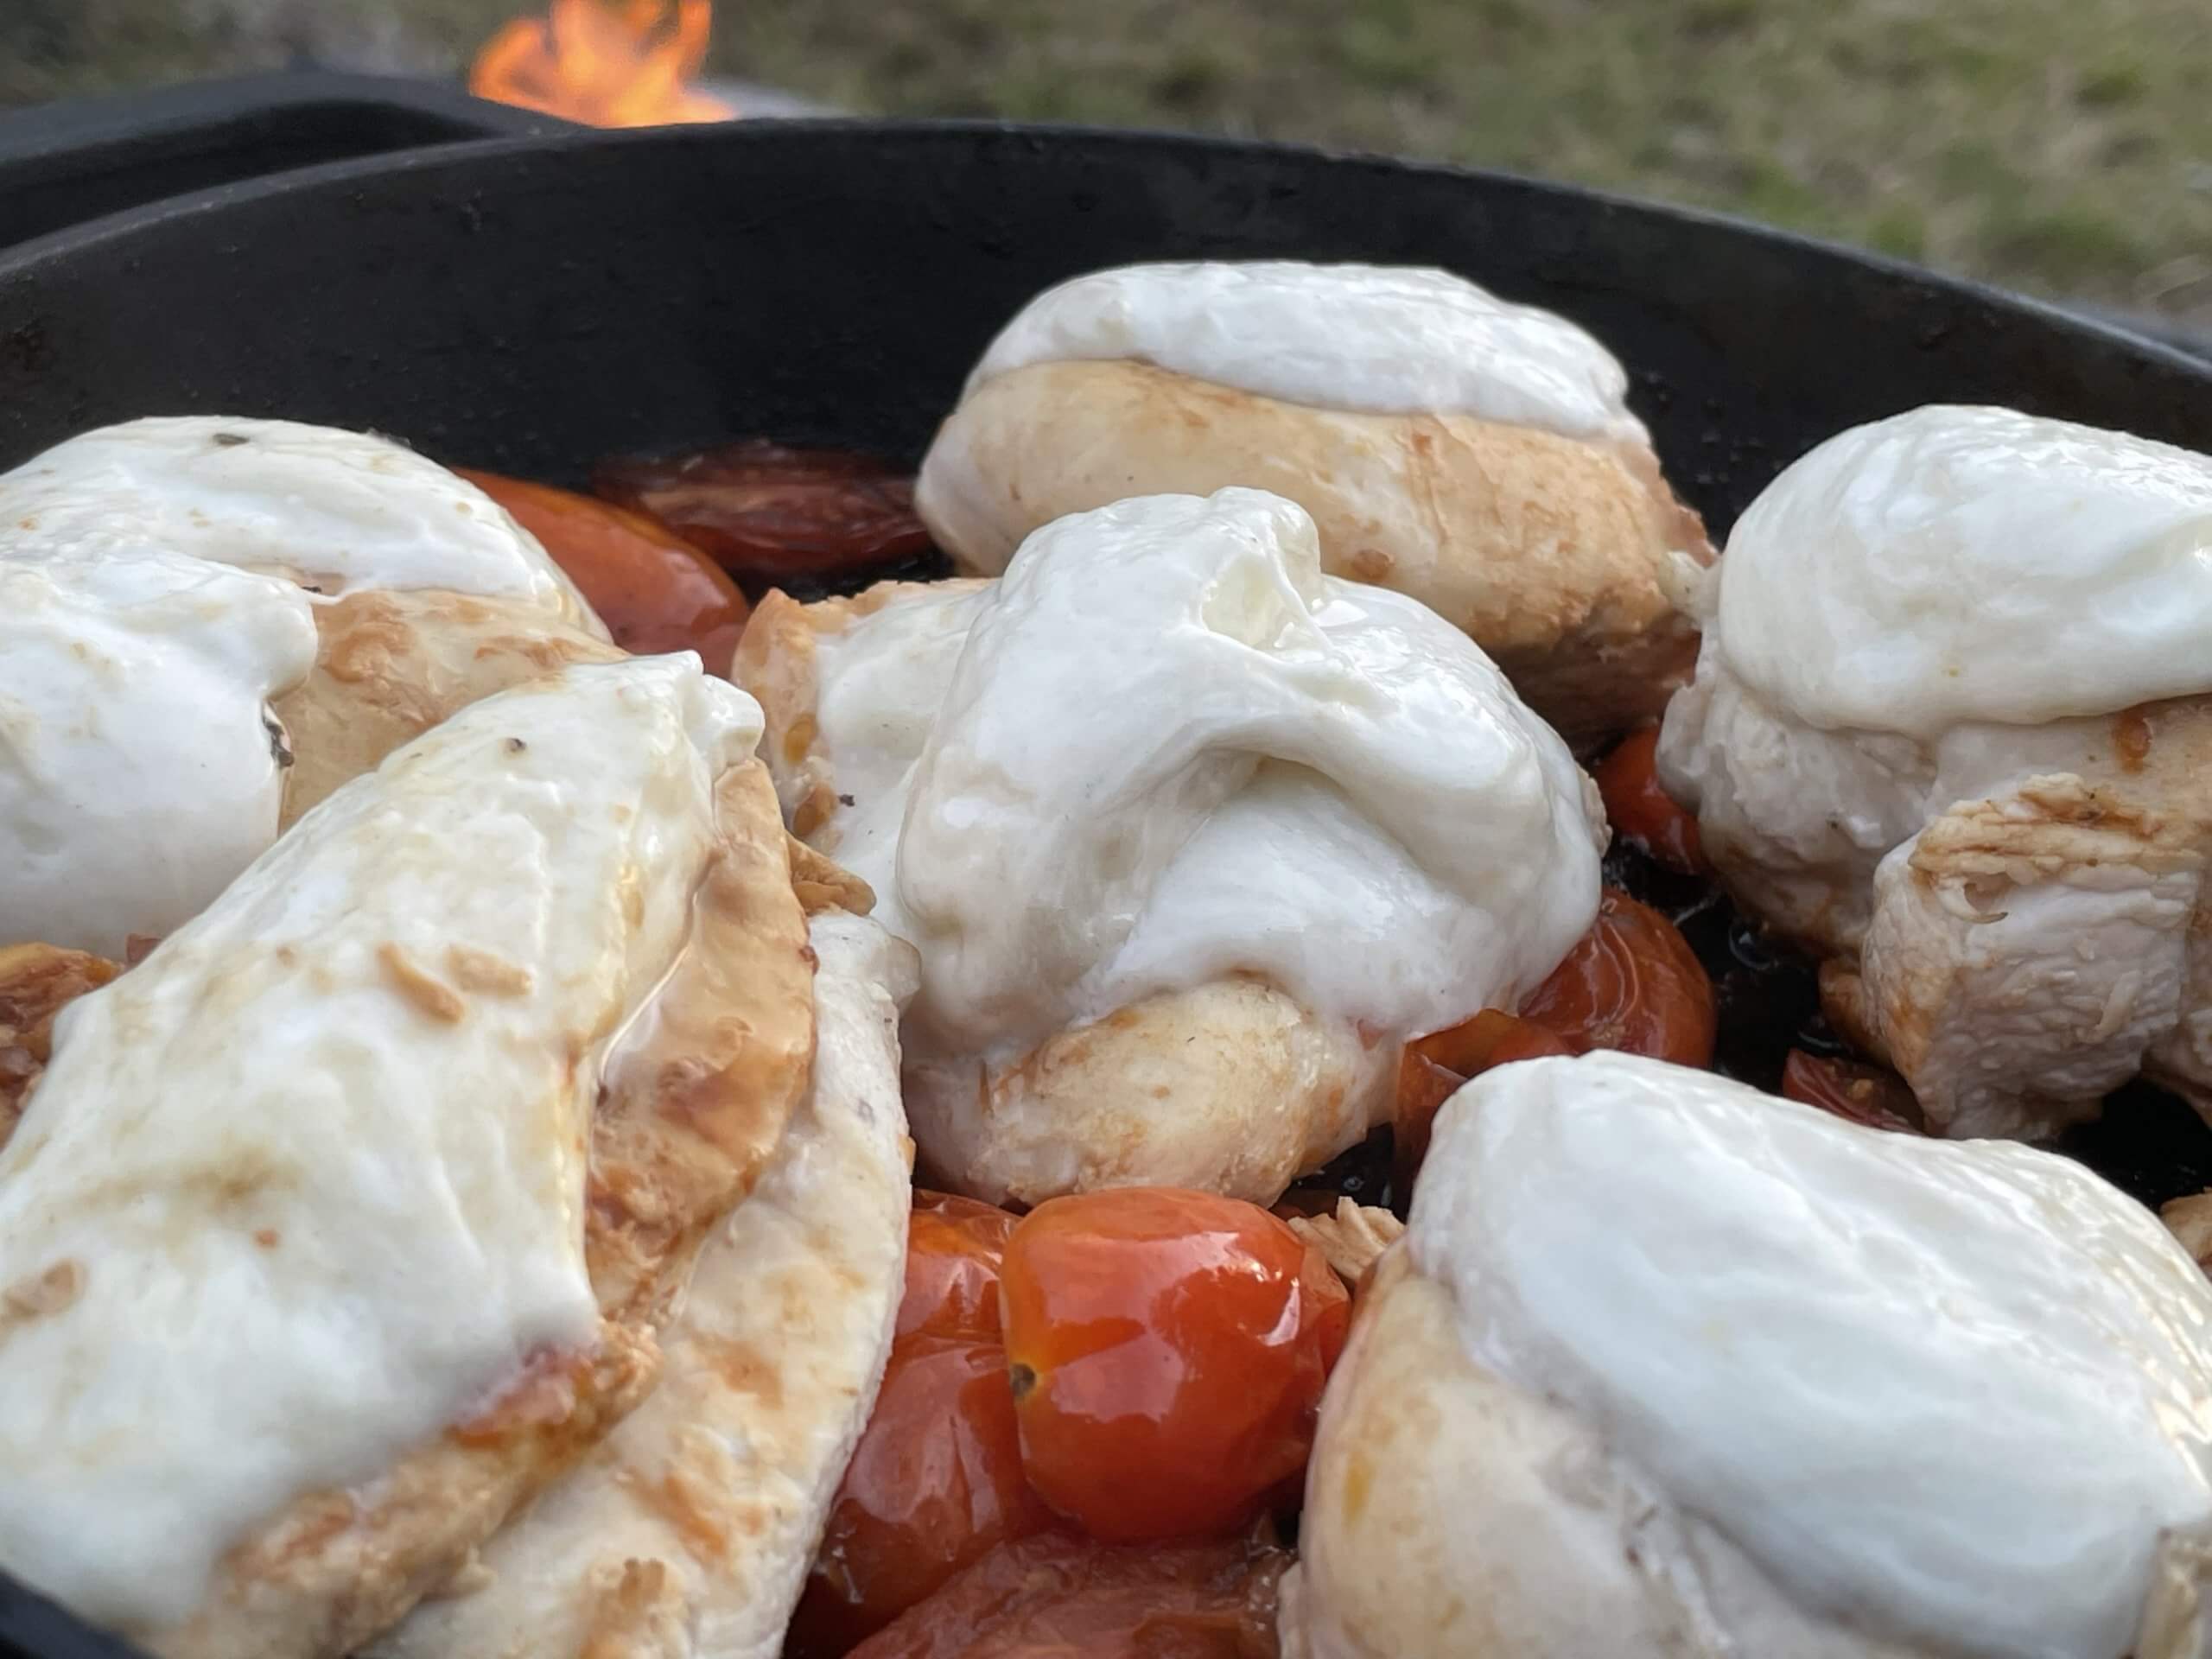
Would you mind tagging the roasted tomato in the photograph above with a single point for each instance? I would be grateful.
(936, 1481)
(1641, 811)
(1632, 983)
(654, 590)
(1433, 1068)
(1063, 1597)
(953, 1249)
(773, 513)
(1168, 1351)
(1853, 1089)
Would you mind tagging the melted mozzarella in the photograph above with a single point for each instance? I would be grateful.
(306, 1186)
(141, 770)
(1382, 339)
(1164, 749)
(337, 511)
(1952, 564)
(1951, 1391)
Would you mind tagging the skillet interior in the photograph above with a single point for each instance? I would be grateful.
(532, 305)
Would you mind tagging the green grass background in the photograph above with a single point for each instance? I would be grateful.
(2060, 146)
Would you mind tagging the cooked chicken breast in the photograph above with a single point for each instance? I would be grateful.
(1664, 1366)
(1950, 728)
(345, 1221)
(212, 623)
(390, 665)
(690, 1529)
(1477, 455)
(1190, 837)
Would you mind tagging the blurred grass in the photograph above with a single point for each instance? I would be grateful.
(2061, 146)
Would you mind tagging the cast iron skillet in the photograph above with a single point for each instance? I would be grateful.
(532, 305)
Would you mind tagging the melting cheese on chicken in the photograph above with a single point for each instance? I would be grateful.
(141, 769)
(1950, 1393)
(1388, 339)
(1954, 564)
(1166, 749)
(337, 511)
(305, 1187)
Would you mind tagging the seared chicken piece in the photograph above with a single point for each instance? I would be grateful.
(1667, 1367)
(1477, 455)
(37, 982)
(1950, 728)
(1190, 837)
(690, 1529)
(393, 665)
(209, 625)
(345, 1221)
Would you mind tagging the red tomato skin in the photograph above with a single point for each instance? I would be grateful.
(1433, 1068)
(1855, 1090)
(1168, 1350)
(1631, 984)
(936, 1482)
(1640, 810)
(1060, 1597)
(769, 512)
(953, 1248)
(655, 591)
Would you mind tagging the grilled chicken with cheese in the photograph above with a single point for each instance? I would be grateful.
(1668, 1368)
(1477, 455)
(1190, 836)
(364, 1208)
(210, 624)
(1952, 727)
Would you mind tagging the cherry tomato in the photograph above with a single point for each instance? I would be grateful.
(953, 1248)
(654, 590)
(770, 512)
(1853, 1089)
(936, 1481)
(1168, 1351)
(1433, 1067)
(1633, 984)
(1062, 1598)
(1641, 811)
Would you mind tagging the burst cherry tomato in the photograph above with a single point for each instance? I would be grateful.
(1853, 1089)
(1433, 1067)
(1631, 983)
(936, 1481)
(772, 513)
(1641, 811)
(1168, 1351)
(953, 1248)
(655, 591)
(1063, 1597)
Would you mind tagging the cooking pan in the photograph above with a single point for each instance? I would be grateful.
(531, 305)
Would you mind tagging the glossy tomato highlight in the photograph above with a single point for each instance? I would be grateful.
(936, 1479)
(1168, 1351)
(1631, 983)
(1641, 811)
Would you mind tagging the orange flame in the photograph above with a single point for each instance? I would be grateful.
(607, 63)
